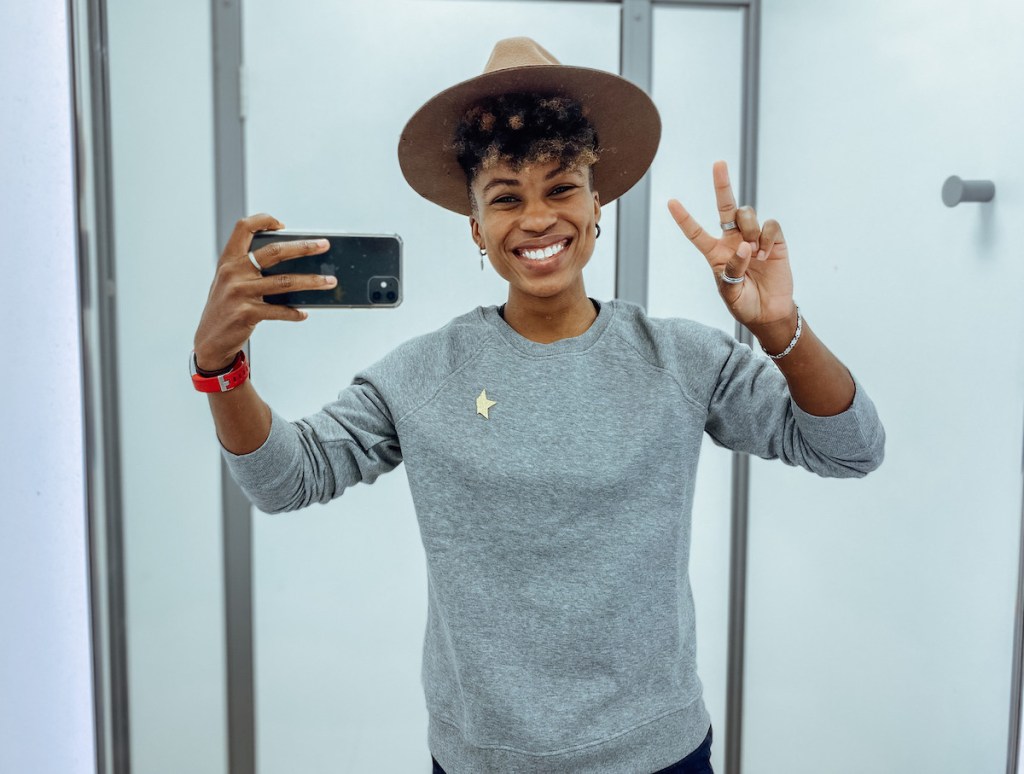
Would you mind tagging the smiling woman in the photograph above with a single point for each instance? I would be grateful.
(551, 443)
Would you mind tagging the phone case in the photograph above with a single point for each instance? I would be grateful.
(368, 268)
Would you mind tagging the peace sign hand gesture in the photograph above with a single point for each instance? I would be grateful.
(757, 256)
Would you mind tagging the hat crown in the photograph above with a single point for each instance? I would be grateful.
(518, 52)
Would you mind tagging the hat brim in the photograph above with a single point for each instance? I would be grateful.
(626, 121)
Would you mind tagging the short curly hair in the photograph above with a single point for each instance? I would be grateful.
(524, 128)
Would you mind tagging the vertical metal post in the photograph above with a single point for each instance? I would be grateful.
(634, 208)
(98, 308)
(1016, 738)
(229, 153)
(741, 462)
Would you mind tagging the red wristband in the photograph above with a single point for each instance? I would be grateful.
(226, 382)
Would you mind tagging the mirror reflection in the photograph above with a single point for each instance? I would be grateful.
(557, 626)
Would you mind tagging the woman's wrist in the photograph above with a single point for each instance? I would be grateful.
(208, 365)
(775, 336)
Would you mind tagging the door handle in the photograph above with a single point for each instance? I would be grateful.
(955, 190)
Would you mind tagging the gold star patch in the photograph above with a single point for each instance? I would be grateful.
(483, 404)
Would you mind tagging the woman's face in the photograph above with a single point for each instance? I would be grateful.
(537, 225)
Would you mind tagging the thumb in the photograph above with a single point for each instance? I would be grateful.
(736, 267)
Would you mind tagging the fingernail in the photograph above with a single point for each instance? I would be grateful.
(330, 280)
(322, 243)
(304, 314)
(762, 255)
(743, 253)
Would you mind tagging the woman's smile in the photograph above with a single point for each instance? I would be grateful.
(542, 253)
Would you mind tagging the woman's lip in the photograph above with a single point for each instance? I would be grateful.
(520, 251)
(535, 266)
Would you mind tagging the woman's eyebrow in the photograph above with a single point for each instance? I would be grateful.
(500, 181)
(511, 181)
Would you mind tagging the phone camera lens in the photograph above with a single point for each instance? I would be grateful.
(383, 290)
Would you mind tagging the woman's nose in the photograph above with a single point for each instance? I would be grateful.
(537, 216)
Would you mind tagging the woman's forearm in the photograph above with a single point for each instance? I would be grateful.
(242, 418)
(819, 383)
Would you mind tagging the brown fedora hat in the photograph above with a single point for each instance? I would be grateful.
(626, 121)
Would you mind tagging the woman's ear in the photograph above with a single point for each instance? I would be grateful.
(597, 207)
(474, 229)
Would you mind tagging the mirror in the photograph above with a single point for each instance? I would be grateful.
(880, 610)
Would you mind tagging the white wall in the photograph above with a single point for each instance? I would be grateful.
(881, 611)
(46, 712)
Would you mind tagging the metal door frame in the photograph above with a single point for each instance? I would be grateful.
(87, 41)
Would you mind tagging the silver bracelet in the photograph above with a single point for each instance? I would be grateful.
(796, 338)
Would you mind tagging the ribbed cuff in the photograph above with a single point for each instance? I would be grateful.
(855, 430)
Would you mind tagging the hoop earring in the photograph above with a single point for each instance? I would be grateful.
(483, 252)
(597, 228)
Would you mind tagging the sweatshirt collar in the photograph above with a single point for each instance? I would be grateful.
(581, 343)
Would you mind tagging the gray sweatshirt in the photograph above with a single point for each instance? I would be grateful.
(553, 484)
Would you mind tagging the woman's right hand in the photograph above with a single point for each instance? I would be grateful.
(235, 304)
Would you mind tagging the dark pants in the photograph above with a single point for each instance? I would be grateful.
(697, 762)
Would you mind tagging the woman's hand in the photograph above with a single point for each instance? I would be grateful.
(235, 304)
(757, 254)
(763, 302)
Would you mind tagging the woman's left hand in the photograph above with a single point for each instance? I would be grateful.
(759, 254)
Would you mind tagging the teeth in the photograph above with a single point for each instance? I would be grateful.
(547, 252)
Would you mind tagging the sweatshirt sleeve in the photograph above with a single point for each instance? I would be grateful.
(316, 458)
(751, 411)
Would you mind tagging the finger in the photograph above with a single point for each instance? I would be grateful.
(281, 312)
(723, 192)
(772, 241)
(746, 220)
(736, 267)
(241, 237)
(701, 239)
(290, 283)
(276, 252)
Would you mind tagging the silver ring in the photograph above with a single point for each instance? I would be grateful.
(729, 226)
(731, 280)
(254, 262)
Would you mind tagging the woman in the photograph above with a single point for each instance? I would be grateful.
(550, 443)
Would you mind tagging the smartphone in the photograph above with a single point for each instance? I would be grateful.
(368, 268)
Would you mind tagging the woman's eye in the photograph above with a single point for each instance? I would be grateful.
(559, 189)
(506, 199)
